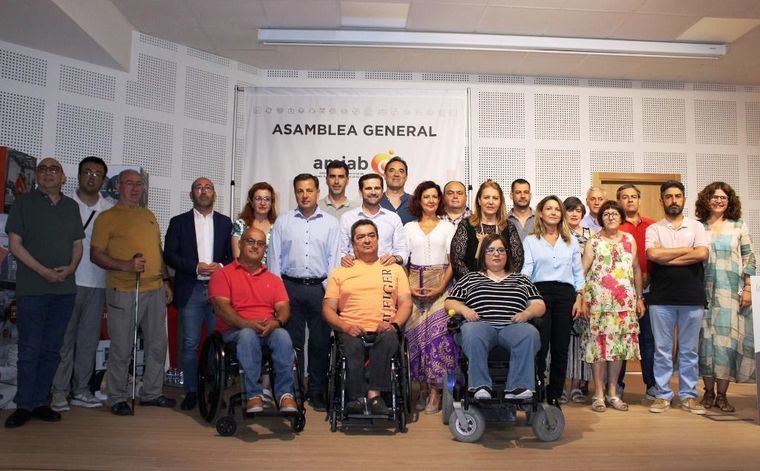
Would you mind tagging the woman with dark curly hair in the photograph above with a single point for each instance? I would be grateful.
(725, 341)
(432, 352)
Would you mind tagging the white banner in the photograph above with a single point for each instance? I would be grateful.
(297, 130)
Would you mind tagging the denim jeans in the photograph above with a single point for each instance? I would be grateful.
(520, 340)
(42, 321)
(249, 345)
(197, 311)
(664, 320)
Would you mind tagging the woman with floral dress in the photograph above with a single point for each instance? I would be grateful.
(614, 303)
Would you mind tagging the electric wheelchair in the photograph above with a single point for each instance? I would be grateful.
(217, 370)
(466, 416)
(398, 399)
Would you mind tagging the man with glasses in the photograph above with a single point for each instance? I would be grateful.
(676, 246)
(80, 342)
(252, 307)
(126, 241)
(303, 249)
(197, 244)
(45, 287)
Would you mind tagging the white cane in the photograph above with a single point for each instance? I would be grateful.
(134, 341)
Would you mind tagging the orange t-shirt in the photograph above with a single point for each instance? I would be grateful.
(367, 294)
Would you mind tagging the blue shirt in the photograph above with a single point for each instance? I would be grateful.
(304, 248)
(391, 237)
(590, 222)
(402, 210)
(560, 262)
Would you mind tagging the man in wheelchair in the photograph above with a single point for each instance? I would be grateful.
(367, 303)
(252, 307)
(497, 305)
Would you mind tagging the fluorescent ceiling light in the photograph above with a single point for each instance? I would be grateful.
(488, 42)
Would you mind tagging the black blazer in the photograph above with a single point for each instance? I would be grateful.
(181, 251)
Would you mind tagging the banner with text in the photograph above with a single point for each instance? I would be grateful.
(297, 130)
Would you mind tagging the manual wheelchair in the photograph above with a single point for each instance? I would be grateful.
(398, 399)
(217, 370)
(466, 416)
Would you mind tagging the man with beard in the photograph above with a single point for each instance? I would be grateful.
(395, 198)
(594, 199)
(676, 246)
(521, 214)
(336, 203)
(197, 244)
(83, 332)
(455, 202)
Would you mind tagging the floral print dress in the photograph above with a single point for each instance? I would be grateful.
(613, 330)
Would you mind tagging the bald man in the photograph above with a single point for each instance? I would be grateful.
(45, 235)
(126, 242)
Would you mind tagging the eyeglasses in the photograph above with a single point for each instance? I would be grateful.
(89, 173)
(611, 215)
(52, 169)
(496, 250)
(132, 184)
(719, 198)
(262, 199)
(251, 241)
(202, 188)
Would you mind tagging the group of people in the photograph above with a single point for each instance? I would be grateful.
(587, 287)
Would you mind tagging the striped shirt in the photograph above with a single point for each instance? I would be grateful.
(495, 303)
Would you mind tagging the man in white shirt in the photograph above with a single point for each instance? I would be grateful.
(80, 342)
(594, 199)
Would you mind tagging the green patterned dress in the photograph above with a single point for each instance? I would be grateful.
(613, 330)
(726, 343)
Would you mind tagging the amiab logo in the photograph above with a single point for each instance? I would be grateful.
(380, 160)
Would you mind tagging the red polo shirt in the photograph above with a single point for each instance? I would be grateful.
(639, 235)
(253, 295)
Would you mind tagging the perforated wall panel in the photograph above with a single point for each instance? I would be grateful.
(663, 85)
(753, 221)
(561, 81)
(610, 118)
(611, 161)
(206, 96)
(714, 87)
(383, 75)
(331, 74)
(22, 122)
(666, 162)
(752, 121)
(439, 77)
(160, 202)
(717, 167)
(500, 164)
(247, 68)
(715, 122)
(86, 82)
(203, 154)
(282, 73)
(753, 177)
(208, 57)
(501, 115)
(162, 43)
(149, 144)
(82, 132)
(485, 78)
(558, 172)
(557, 117)
(610, 83)
(664, 120)
(23, 68)
(155, 85)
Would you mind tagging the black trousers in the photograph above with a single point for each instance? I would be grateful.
(306, 311)
(379, 365)
(554, 328)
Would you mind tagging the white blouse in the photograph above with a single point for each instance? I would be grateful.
(432, 248)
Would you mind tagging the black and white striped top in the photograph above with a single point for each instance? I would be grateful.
(495, 303)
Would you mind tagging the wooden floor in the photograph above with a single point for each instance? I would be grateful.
(172, 439)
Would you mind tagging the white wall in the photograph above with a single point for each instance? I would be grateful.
(173, 114)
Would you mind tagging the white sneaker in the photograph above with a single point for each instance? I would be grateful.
(519, 393)
(85, 399)
(482, 394)
(59, 402)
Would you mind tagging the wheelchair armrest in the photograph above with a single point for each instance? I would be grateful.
(454, 323)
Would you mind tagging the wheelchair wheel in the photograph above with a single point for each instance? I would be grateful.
(298, 422)
(226, 426)
(473, 427)
(548, 423)
(447, 400)
(331, 379)
(401, 421)
(406, 380)
(211, 377)
(334, 420)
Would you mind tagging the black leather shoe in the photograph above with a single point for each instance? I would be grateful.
(18, 418)
(160, 401)
(377, 406)
(554, 402)
(317, 401)
(121, 408)
(357, 406)
(46, 414)
(189, 402)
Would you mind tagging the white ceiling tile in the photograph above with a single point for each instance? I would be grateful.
(227, 14)
(234, 39)
(719, 30)
(444, 17)
(528, 3)
(581, 24)
(302, 14)
(362, 58)
(507, 20)
(653, 27)
(624, 6)
(373, 14)
(721, 8)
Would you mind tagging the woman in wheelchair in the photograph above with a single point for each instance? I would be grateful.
(497, 304)
(374, 301)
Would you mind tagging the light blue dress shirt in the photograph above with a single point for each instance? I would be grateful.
(391, 235)
(304, 248)
(560, 262)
